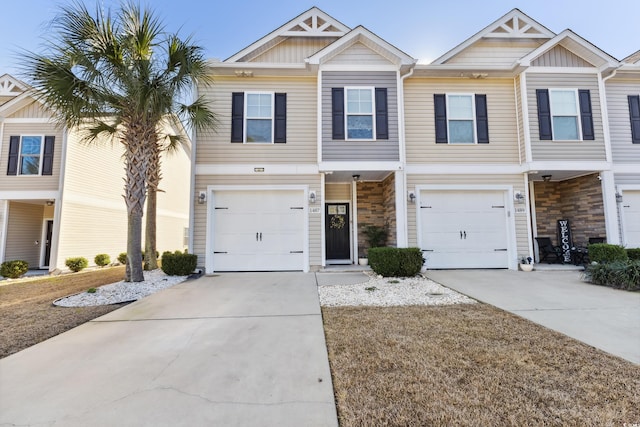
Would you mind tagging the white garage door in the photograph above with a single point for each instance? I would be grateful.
(258, 230)
(631, 218)
(464, 229)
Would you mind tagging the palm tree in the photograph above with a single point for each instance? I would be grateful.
(120, 76)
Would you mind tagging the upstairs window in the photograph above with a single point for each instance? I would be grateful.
(634, 115)
(259, 117)
(460, 113)
(359, 109)
(359, 113)
(30, 155)
(461, 118)
(565, 114)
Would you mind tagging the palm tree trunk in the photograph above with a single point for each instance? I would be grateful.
(153, 180)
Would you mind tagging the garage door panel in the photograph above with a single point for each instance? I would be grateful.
(631, 218)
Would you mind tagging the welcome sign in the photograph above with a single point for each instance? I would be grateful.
(564, 237)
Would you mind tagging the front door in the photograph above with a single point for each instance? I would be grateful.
(336, 225)
(47, 243)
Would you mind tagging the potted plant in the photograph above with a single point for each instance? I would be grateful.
(376, 237)
(526, 263)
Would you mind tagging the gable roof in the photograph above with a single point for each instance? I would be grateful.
(513, 25)
(634, 58)
(10, 86)
(312, 23)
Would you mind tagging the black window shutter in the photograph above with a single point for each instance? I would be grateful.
(585, 114)
(482, 119)
(47, 157)
(280, 125)
(14, 155)
(237, 116)
(544, 114)
(382, 115)
(440, 106)
(337, 112)
(634, 114)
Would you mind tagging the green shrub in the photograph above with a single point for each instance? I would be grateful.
(603, 253)
(76, 264)
(376, 235)
(178, 263)
(633, 254)
(618, 274)
(102, 259)
(396, 262)
(122, 258)
(14, 269)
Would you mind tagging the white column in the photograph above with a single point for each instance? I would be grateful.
(354, 203)
(402, 240)
(610, 207)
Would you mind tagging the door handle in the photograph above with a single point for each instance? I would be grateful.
(465, 235)
(261, 237)
(256, 237)
(461, 235)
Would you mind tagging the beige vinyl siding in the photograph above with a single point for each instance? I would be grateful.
(200, 210)
(495, 52)
(622, 149)
(359, 54)
(291, 50)
(420, 122)
(338, 191)
(569, 150)
(559, 57)
(517, 181)
(376, 150)
(24, 228)
(33, 110)
(32, 182)
(301, 146)
(520, 112)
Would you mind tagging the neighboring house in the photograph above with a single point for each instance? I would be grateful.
(325, 128)
(61, 198)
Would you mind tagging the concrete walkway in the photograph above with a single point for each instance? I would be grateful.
(232, 350)
(605, 318)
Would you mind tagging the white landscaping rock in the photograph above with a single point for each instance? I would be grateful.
(154, 281)
(384, 292)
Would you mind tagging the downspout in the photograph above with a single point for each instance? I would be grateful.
(402, 214)
(57, 212)
(611, 207)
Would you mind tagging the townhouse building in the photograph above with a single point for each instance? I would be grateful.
(326, 128)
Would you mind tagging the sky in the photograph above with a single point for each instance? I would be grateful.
(424, 29)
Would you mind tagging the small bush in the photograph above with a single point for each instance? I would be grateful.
(92, 290)
(14, 269)
(102, 259)
(122, 258)
(396, 262)
(618, 274)
(603, 253)
(76, 264)
(633, 254)
(178, 263)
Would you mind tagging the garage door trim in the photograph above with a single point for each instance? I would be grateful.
(629, 188)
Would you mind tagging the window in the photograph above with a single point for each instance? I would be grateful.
(461, 118)
(359, 109)
(259, 117)
(634, 115)
(565, 114)
(30, 155)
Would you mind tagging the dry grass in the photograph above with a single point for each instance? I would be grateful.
(470, 365)
(28, 315)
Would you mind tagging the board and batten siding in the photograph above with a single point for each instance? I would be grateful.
(359, 54)
(420, 122)
(215, 147)
(516, 181)
(200, 210)
(33, 110)
(31, 182)
(565, 150)
(495, 52)
(622, 149)
(24, 229)
(374, 150)
(291, 51)
(559, 57)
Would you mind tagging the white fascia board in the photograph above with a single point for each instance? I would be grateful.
(626, 168)
(360, 166)
(563, 70)
(358, 67)
(268, 169)
(29, 195)
(465, 169)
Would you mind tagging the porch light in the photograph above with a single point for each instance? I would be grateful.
(50, 202)
(546, 178)
(618, 197)
(355, 178)
(312, 197)
(202, 197)
(518, 197)
(411, 196)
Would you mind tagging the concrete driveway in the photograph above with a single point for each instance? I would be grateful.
(605, 318)
(234, 350)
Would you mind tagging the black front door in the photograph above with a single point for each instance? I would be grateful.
(337, 231)
(47, 243)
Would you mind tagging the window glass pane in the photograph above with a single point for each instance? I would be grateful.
(258, 130)
(360, 127)
(259, 105)
(461, 131)
(359, 101)
(30, 145)
(30, 165)
(563, 103)
(565, 128)
(460, 107)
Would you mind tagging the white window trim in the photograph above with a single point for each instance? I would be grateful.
(473, 118)
(246, 117)
(578, 122)
(40, 155)
(346, 112)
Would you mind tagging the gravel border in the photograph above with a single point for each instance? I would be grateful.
(390, 291)
(119, 292)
